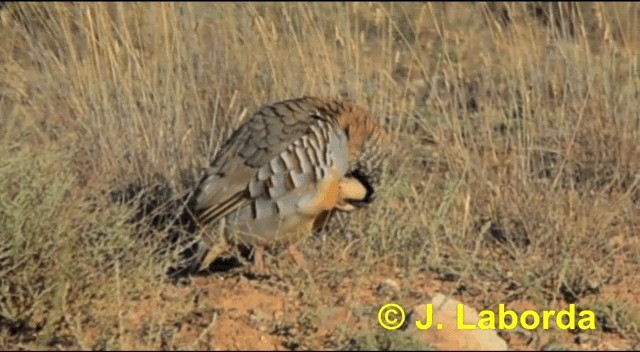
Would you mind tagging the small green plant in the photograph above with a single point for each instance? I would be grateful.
(58, 250)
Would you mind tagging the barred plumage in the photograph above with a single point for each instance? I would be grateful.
(287, 165)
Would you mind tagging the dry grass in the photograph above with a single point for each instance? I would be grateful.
(516, 177)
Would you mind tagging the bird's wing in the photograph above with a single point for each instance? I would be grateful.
(266, 134)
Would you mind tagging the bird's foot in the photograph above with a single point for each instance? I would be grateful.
(298, 258)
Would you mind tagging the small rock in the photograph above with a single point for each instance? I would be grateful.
(450, 337)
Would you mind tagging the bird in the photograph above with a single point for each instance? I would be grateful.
(283, 172)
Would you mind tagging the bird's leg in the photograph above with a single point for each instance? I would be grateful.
(298, 257)
(213, 252)
(258, 258)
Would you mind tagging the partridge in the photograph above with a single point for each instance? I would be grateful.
(284, 169)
